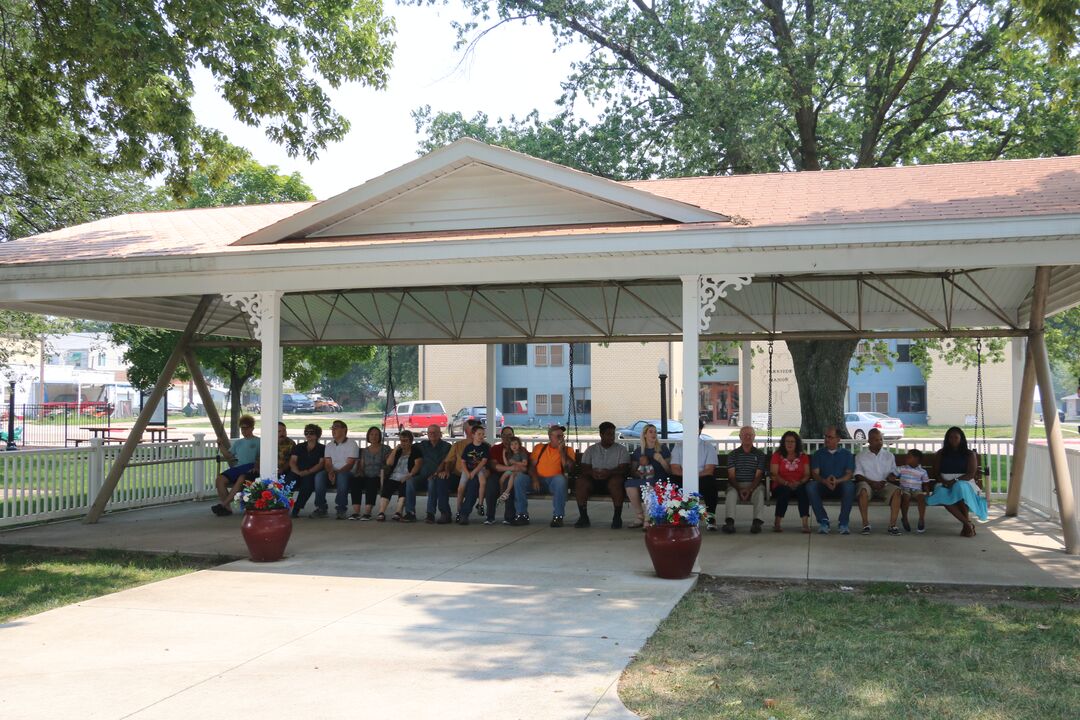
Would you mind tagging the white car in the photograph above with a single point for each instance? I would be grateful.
(861, 423)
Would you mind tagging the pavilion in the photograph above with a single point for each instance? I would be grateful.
(477, 244)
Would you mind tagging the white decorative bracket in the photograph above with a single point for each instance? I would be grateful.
(252, 305)
(713, 287)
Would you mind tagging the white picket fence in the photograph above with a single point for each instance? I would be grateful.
(1038, 489)
(37, 485)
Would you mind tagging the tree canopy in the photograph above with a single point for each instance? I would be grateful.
(703, 87)
(117, 77)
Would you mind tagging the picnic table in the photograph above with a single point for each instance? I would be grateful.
(119, 435)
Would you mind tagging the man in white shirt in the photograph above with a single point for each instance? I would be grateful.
(340, 456)
(876, 476)
(707, 461)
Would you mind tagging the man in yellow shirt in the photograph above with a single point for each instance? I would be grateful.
(549, 465)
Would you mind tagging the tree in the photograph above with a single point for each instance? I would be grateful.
(365, 381)
(148, 349)
(690, 87)
(117, 76)
(1063, 344)
(248, 184)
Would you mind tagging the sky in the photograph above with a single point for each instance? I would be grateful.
(510, 72)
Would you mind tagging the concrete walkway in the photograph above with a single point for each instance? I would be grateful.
(425, 621)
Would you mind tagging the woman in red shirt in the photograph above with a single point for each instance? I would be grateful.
(789, 469)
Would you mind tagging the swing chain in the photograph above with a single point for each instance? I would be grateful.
(391, 401)
(571, 410)
(769, 436)
(980, 408)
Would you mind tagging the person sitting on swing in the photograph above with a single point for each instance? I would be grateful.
(606, 461)
(549, 465)
(876, 476)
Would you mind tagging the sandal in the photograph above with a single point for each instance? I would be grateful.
(381, 517)
(805, 530)
(635, 525)
(968, 531)
(777, 528)
(396, 517)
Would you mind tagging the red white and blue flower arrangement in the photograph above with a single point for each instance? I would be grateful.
(665, 504)
(267, 494)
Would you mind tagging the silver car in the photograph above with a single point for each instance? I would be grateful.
(860, 423)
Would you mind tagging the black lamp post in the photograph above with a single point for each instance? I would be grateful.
(661, 370)
(11, 419)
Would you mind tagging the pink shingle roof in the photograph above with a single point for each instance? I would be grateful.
(906, 194)
(1004, 188)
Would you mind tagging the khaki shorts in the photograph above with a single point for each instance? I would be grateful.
(884, 493)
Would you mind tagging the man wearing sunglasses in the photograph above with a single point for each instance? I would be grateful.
(305, 463)
(549, 465)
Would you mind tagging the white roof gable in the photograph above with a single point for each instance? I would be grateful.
(472, 185)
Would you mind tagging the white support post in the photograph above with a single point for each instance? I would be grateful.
(1059, 464)
(691, 322)
(199, 474)
(264, 311)
(97, 467)
(270, 395)
(490, 391)
(700, 293)
(746, 384)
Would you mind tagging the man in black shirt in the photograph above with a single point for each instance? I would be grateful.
(305, 462)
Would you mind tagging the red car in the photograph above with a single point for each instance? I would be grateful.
(93, 408)
(416, 416)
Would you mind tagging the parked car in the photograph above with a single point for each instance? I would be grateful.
(296, 403)
(62, 403)
(633, 430)
(416, 416)
(860, 423)
(325, 404)
(472, 412)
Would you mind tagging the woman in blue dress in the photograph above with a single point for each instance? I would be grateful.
(956, 470)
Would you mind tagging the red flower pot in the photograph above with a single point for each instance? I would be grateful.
(673, 549)
(266, 533)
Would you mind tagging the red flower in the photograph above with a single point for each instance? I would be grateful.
(267, 494)
(260, 504)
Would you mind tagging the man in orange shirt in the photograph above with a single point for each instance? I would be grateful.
(549, 465)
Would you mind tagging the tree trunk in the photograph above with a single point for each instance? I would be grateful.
(821, 370)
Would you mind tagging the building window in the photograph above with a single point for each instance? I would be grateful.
(540, 355)
(515, 354)
(911, 399)
(542, 405)
(515, 401)
(582, 354)
(555, 355)
(874, 402)
(557, 404)
(903, 352)
(101, 360)
(582, 397)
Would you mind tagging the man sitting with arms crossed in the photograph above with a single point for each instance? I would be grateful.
(875, 475)
(243, 456)
(549, 465)
(607, 461)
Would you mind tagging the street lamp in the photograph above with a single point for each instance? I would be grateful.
(661, 370)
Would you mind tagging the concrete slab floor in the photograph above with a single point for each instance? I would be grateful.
(433, 621)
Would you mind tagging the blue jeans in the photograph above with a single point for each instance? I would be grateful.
(438, 495)
(556, 485)
(305, 488)
(815, 491)
(341, 495)
(410, 493)
(472, 493)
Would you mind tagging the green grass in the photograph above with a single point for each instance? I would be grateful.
(33, 580)
(884, 651)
